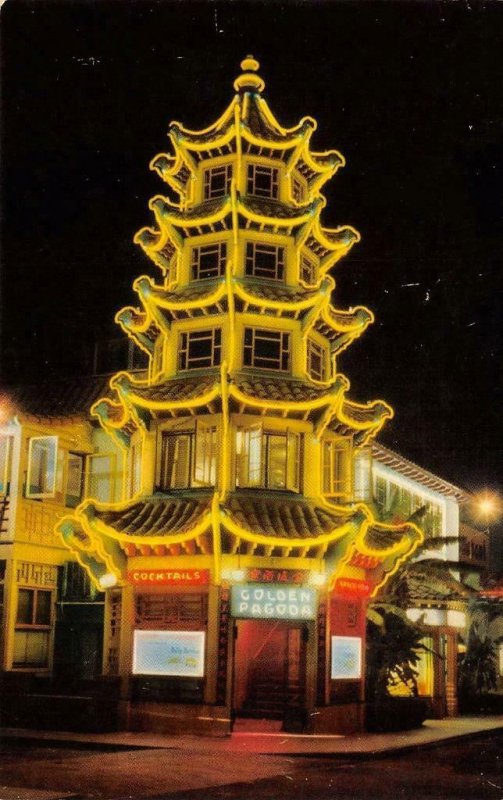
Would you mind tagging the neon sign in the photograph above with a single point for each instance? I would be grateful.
(275, 601)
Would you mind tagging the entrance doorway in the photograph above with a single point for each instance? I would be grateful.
(269, 668)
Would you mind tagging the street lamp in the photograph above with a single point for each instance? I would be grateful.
(489, 508)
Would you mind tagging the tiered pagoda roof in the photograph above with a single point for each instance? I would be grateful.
(212, 521)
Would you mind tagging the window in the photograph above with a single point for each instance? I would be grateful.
(336, 467)
(217, 181)
(363, 467)
(189, 458)
(316, 361)
(265, 261)
(135, 454)
(381, 492)
(307, 270)
(262, 181)
(200, 349)
(267, 459)
(101, 477)
(33, 623)
(42, 458)
(5, 463)
(298, 190)
(266, 349)
(208, 261)
(432, 520)
(157, 358)
(74, 473)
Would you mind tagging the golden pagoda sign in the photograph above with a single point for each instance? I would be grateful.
(239, 511)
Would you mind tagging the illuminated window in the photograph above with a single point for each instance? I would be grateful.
(101, 477)
(265, 261)
(316, 361)
(74, 475)
(336, 467)
(363, 466)
(307, 270)
(5, 463)
(42, 458)
(266, 349)
(189, 458)
(267, 459)
(298, 190)
(33, 624)
(200, 349)
(262, 181)
(217, 181)
(208, 261)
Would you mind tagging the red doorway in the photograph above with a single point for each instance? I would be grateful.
(269, 668)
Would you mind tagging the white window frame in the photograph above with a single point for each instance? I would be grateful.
(51, 476)
(277, 336)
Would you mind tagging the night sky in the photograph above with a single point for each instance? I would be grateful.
(411, 94)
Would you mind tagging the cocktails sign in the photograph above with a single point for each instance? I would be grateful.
(275, 601)
(165, 577)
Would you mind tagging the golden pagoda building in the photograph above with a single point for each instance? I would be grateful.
(237, 568)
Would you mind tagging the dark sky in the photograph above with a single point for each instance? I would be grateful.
(411, 94)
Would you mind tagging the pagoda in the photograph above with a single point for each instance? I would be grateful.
(238, 565)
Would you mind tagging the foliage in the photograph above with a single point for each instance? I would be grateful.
(477, 670)
(394, 648)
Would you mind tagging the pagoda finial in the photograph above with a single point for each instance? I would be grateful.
(248, 81)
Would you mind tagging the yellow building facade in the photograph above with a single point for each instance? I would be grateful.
(237, 565)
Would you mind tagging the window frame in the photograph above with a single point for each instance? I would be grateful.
(255, 249)
(254, 172)
(253, 440)
(306, 263)
(50, 491)
(220, 249)
(214, 334)
(253, 361)
(24, 629)
(296, 183)
(311, 347)
(6, 450)
(213, 173)
(336, 469)
(198, 445)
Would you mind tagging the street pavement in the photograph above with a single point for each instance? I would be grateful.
(153, 764)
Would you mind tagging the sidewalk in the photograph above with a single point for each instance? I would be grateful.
(364, 745)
